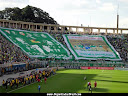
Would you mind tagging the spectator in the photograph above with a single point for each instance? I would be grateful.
(6, 84)
(3, 83)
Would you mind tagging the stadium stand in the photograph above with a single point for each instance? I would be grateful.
(120, 44)
(10, 53)
(8, 49)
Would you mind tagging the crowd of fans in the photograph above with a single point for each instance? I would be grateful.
(120, 44)
(34, 76)
(10, 53)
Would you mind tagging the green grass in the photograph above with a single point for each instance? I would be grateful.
(72, 81)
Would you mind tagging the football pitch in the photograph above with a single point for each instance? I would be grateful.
(72, 81)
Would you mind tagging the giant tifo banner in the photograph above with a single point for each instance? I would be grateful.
(91, 47)
(36, 44)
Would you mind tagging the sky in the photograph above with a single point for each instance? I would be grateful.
(94, 13)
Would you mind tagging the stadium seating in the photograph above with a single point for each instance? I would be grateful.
(120, 44)
(9, 52)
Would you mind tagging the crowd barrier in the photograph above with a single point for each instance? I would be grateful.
(102, 68)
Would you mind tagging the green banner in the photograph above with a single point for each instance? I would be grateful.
(36, 44)
(91, 47)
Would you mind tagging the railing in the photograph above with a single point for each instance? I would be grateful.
(62, 28)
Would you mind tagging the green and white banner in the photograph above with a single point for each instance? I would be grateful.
(91, 47)
(36, 44)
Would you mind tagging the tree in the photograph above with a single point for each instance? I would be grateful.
(1, 15)
(27, 14)
(17, 16)
(7, 13)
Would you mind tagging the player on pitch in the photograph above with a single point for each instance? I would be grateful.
(45, 79)
(90, 89)
(95, 84)
(89, 84)
(39, 87)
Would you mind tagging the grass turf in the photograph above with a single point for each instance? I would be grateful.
(72, 81)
